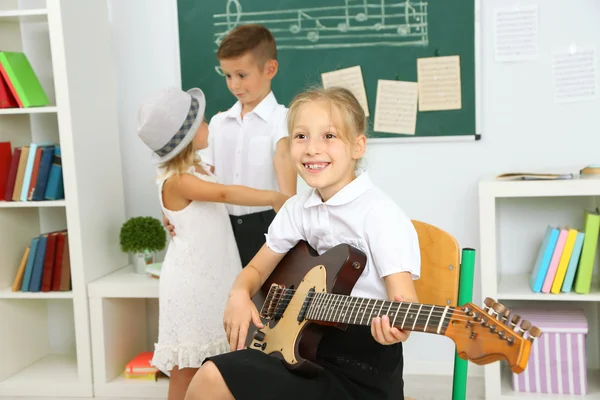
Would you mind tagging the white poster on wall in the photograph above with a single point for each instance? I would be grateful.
(575, 75)
(516, 33)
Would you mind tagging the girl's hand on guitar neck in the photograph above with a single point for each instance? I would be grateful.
(386, 334)
(239, 311)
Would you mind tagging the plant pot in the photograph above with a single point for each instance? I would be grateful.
(141, 260)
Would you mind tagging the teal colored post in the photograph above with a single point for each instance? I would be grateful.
(465, 295)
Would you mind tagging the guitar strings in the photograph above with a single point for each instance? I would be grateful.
(290, 293)
(481, 334)
(456, 315)
(457, 333)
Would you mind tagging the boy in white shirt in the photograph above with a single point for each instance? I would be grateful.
(248, 144)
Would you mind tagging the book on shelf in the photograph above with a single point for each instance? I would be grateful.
(592, 169)
(7, 99)
(5, 162)
(154, 269)
(32, 173)
(583, 277)
(140, 367)
(533, 176)
(565, 258)
(22, 82)
(45, 266)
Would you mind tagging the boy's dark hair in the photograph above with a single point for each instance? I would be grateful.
(249, 37)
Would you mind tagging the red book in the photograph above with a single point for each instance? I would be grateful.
(10, 86)
(49, 262)
(5, 161)
(7, 99)
(58, 262)
(12, 175)
(141, 364)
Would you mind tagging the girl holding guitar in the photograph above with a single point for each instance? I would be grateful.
(327, 134)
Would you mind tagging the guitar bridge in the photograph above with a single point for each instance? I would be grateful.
(272, 300)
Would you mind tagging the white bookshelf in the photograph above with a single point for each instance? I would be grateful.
(32, 204)
(124, 321)
(37, 110)
(513, 216)
(45, 344)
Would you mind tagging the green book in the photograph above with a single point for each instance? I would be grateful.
(22, 79)
(583, 279)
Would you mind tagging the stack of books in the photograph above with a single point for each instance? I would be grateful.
(140, 368)
(565, 260)
(31, 173)
(19, 85)
(46, 265)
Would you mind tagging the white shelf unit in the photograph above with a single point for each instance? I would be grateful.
(124, 321)
(45, 348)
(513, 218)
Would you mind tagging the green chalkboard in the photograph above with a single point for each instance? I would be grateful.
(384, 37)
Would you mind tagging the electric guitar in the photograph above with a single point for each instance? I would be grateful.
(306, 292)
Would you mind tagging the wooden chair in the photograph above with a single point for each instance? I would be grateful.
(445, 281)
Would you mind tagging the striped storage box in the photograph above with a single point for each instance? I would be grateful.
(557, 362)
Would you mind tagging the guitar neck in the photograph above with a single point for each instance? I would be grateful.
(330, 307)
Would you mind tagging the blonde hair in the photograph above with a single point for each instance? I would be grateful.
(353, 119)
(182, 162)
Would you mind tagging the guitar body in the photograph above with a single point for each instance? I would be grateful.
(295, 341)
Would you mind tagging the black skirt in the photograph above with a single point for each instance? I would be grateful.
(356, 367)
(249, 231)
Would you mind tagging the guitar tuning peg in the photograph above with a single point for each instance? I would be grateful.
(498, 310)
(525, 325)
(489, 303)
(468, 311)
(534, 333)
(506, 315)
(514, 320)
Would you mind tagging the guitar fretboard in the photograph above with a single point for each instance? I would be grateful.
(329, 307)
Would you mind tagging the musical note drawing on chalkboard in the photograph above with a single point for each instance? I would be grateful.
(355, 23)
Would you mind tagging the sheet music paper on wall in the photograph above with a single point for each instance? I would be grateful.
(575, 75)
(439, 83)
(351, 79)
(516, 33)
(396, 107)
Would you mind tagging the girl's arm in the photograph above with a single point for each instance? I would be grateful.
(287, 177)
(399, 287)
(401, 284)
(240, 310)
(192, 188)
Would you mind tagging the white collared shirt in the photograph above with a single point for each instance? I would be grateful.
(242, 150)
(360, 215)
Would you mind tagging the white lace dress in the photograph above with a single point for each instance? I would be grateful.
(200, 265)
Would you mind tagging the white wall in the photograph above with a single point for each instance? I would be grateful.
(434, 182)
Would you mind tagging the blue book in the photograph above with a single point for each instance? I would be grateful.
(542, 262)
(573, 262)
(29, 265)
(38, 266)
(43, 172)
(55, 188)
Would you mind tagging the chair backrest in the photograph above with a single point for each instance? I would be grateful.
(440, 266)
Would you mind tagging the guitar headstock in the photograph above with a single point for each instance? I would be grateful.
(490, 334)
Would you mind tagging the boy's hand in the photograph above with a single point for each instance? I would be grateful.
(170, 228)
(384, 333)
(278, 200)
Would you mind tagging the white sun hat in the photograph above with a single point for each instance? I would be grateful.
(168, 120)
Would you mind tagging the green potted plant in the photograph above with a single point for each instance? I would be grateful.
(142, 237)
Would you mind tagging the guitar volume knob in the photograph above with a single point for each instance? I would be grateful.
(259, 335)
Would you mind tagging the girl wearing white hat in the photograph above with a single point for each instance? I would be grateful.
(202, 261)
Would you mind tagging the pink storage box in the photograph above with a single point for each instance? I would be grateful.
(557, 362)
